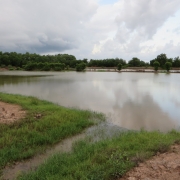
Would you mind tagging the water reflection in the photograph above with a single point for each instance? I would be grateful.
(145, 114)
(131, 100)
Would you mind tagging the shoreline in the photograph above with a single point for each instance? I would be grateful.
(97, 69)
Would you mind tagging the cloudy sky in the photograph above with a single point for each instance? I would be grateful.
(93, 29)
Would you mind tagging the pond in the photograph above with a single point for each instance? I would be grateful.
(131, 100)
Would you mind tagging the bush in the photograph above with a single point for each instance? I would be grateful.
(168, 66)
(119, 67)
(156, 65)
(80, 67)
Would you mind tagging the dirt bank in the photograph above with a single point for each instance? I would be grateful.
(10, 113)
(164, 166)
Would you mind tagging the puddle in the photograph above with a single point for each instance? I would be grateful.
(95, 133)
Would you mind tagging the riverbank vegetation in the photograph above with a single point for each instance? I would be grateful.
(106, 159)
(45, 124)
(59, 62)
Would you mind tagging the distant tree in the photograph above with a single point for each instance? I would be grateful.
(40, 66)
(142, 64)
(85, 60)
(168, 66)
(152, 62)
(72, 63)
(46, 67)
(5, 59)
(119, 67)
(176, 62)
(80, 67)
(156, 65)
(135, 62)
(106, 62)
(29, 66)
(59, 66)
(67, 67)
(147, 64)
(162, 59)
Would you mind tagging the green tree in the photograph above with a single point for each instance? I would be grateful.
(176, 62)
(162, 58)
(168, 66)
(40, 66)
(135, 62)
(29, 66)
(156, 65)
(46, 67)
(80, 67)
(119, 67)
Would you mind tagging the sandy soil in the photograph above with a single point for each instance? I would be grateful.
(164, 166)
(10, 113)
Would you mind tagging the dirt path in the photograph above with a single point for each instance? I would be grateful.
(164, 166)
(10, 113)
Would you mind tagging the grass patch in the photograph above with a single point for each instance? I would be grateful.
(31, 135)
(106, 159)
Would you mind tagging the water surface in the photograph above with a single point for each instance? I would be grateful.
(130, 100)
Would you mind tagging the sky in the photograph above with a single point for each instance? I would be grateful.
(92, 29)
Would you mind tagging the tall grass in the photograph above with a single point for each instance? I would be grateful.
(106, 159)
(32, 134)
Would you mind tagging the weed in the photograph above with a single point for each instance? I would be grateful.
(34, 101)
(140, 157)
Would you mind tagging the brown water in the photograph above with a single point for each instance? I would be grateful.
(130, 100)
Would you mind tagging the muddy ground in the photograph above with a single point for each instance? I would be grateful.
(164, 166)
(10, 113)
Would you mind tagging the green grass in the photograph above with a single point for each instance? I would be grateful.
(32, 135)
(106, 159)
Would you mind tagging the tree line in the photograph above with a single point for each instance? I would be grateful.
(35, 61)
(28, 61)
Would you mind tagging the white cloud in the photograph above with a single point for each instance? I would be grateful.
(96, 49)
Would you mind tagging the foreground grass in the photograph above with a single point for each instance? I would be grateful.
(107, 159)
(30, 135)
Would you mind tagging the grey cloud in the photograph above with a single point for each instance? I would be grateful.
(170, 49)
(75, 27)
(56, 45)
(177, 30)
(137, 22)
(43, 26)
(122, 34)
(146, 16)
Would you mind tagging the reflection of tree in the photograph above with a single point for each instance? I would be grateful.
(142, 114)
(15, 79)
